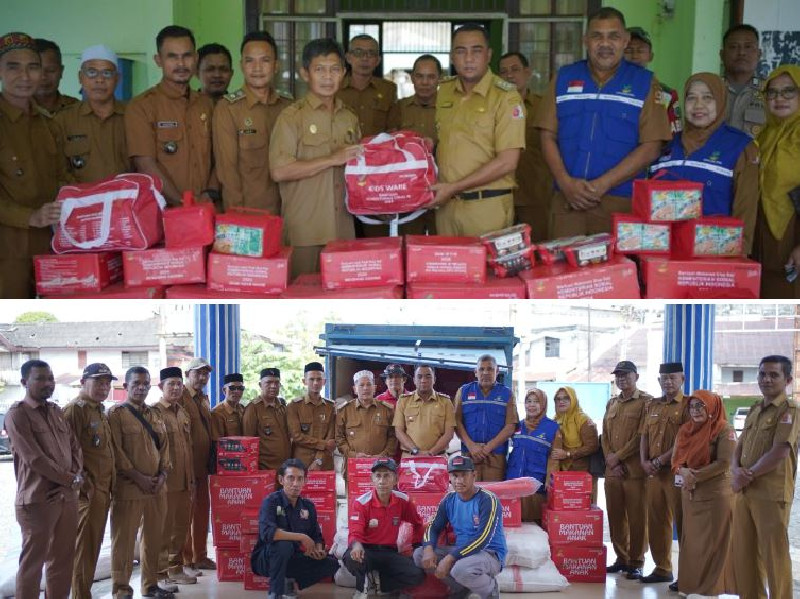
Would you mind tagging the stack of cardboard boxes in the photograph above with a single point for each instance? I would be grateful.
(575, 528)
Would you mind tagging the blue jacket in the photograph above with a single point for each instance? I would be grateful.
(599, 127)
(484, 417)
(531, 450)
(712, 165)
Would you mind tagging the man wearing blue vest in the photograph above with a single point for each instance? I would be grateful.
(603, 121)
(486, 417)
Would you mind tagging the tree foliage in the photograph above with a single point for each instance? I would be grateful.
(31, 317)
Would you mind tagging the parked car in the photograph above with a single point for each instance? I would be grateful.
(738, 419)
(5, 445)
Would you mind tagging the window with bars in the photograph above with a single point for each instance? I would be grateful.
(552, 347)
(134, 358)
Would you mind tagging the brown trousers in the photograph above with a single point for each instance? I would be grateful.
(663, 508)
(566, 222)
(493, 468)
(126, 516)
(92, 518)
(48, 530)
(195, 547)
(457, 217)
(177, 517)
(761, 547)
(627, 519)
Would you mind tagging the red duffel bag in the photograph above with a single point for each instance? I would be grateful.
(392, 175)
(117, 213)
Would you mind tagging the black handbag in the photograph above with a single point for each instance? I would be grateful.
(597, 461)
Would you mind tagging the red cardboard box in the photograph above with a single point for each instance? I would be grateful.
(427, 504)
(493, 288)
(709, 237)
(362, 263)
(635, 235)
(309, 286)
(237, 465)
(62, 274)
(230, 565)
(359, 467)
(576, 527)
(322, 501)
(247, 232)
(572, 482)
(226, 528)
(252, 582)
(241, 492)
(615, 279)
(243, 274)
(707, 278)
(320, 482)
(246, 545)
(512, 512)
(327, 524)
(237, 446)
(581, 564)
(117, 291)
(438, 259)
(162, 266)
(203, 292)
(249, 520)
(662, 200)
(357, 486)
(568, 500)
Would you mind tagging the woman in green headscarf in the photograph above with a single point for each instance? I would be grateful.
(777, 236)
(578, 432)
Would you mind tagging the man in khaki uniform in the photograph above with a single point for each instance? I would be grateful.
(198, 406)
(594, 165)
(312, 141)
(168, 127)
(214, 70)
(532, 197)
(370, 97)
(86, 415)
(47, 465)
(424, 421)
(764, 473)
(312, 422)
(740, 54)
(141, 455)
(625, 495)
(92, 132)
(663, 416)
(265, 418)
(47, 94)
(180, 479)
(481, 125)
(364, 425)
(31, 167)
(243, 123)
(227, 416)
(418, 113)
(486, 417)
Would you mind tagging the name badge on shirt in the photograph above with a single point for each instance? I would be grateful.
(167, 124)
(304, 514)
(373, 523)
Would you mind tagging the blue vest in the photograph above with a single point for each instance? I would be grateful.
(599, 127)
(712, 165)
(531, 450)
(484, 417)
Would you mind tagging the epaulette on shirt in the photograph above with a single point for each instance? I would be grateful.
(447, 79)
(80, 402)
(235, 96)
(386, 403)
(285, 95)
(445, 395)
(504, 85)
(44, 112)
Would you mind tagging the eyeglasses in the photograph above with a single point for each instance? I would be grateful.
(236, 387)
(787, 93)
(697, 406)
(361, 53)
(94, 73)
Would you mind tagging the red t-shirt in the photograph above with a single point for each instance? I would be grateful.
(373, 523)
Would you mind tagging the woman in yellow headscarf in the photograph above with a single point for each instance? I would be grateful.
(579, 435)
(777, 236)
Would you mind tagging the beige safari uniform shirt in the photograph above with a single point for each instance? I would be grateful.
(198, 407)
(764, 426)
(424, 420)
(661, 421)
(134, 448)
(533, 175)
(227, 420)
(745, 109)
(93, 148)
(242, 128)
(176, 131)
(621, 425)
(90, 426)
(310, 426)
(313, 208)
(64, 102)
(410, 114)
(267, 421)
(473, 129)
(371, 105)
(179, 432)
(365, 429)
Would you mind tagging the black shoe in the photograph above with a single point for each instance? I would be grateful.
(655, 578)
(158, 593)
(634, 574)
(674, 587)
(616, 567)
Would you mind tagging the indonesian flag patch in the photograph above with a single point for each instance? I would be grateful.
(786, 418)
(575, 87)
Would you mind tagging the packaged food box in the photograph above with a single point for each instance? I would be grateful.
(634, 235)
(64, 274)
(615, 279)
(701, 278)
(164, 266)
(716, 236)
(248, 232)
(659, 200)
(243, 274)
(362, 263)
(437, 259)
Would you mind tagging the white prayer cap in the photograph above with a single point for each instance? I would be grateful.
(99, 52)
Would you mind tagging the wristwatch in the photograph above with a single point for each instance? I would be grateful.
(76, 482)
(415, 451)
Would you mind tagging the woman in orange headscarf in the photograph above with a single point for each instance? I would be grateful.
(579, 432)
(701, 462)
(777, 237)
